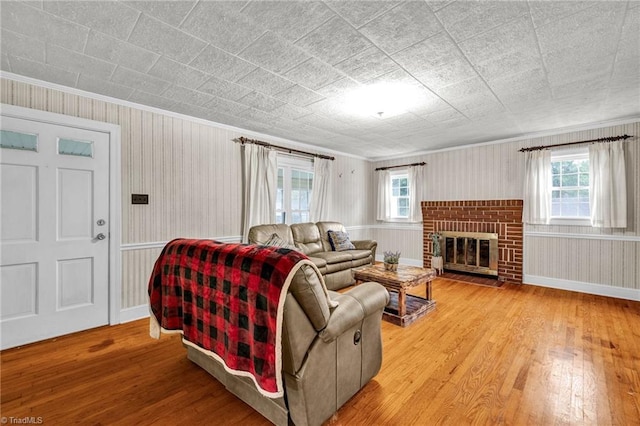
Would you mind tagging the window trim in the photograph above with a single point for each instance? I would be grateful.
(560, 155)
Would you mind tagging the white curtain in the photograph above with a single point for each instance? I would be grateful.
(320, 199)
(384, 195)
(537, 187)
(260, 173)
(608, 185)
(416, 184)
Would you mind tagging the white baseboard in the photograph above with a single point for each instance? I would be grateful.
(403, 261)
(582, 287)
(134, 313)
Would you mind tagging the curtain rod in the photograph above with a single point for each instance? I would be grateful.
(610, 139)
(401, 165)
(244, 140)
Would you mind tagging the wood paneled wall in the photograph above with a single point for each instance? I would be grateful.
(191, 171)
(496, 171)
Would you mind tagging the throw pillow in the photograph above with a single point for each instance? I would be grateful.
(340, 241)
(276, 241)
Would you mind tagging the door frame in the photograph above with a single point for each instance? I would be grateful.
(115, 191)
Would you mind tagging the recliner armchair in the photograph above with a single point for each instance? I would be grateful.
(328, 354)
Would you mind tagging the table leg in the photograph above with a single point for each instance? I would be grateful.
(402, 303)
(428, 288)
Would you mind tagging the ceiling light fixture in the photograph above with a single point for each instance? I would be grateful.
(381, 100)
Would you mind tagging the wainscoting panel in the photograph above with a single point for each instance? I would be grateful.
(406, 239)
(136, 270)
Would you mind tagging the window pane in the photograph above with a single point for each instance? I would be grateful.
(304, 217)
(555, 167)
(295, 200)
(403, 202)
(555, 195)
(71, 147)
(304, 200)
(404, 192)
(583, 210)
(395, 183)
(296, 217)
(395, 192)
(403, 212)
(569, 167)
(584, 179)
(279, 195)
(279, 217)
(583, 195)
(556, 181)
(280, 178)
(570, 180)
(570, 209)
(15, 140)
(555, 209)
(569, 195)
(584, 166)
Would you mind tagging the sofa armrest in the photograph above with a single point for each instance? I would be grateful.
(367, 245)
(355, 305)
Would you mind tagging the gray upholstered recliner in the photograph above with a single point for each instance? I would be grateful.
(328, 354)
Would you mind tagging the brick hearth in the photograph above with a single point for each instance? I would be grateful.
(503, 217)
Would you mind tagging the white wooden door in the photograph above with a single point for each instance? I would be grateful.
(54, 230)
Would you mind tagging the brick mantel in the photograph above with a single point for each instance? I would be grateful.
(503, 217)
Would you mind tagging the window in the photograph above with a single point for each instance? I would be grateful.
(295, 182)
(570, 186)
(400, 195)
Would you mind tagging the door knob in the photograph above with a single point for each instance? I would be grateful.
(101, 236)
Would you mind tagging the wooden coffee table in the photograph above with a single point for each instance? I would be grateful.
(403, 308)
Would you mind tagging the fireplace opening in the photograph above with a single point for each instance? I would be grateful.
(475, 252)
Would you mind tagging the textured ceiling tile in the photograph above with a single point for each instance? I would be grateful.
(313, 74)
(224, 89)
(109, 17)
(527, 86)
(4, 62)
(171, 12)
(359, 13)
(187, 96)
(221, 64)
(433, 52)
(258, 115)
(139, 81)
(165, 39)
(221, 24)
(180, 74)
(569, 65)
(291, 112)
(102, 87)
(368, 64)
(261, 101)
(274, 53)
(226, 106)
(265, 82)
(339, 87)
(590, 84)
(23, 19)
(469, 94)
(509, 62)
(77, 62)
(545, 12)
(464, 19)
(436, 5)
(517, 35)
(144, 98)
(290, 20)
(402, 26)
(299, 96)
(119, 52)
(333, 41)
(20, 45)
(450, 73)
(593, 28)
(626, 74)
(42, 71)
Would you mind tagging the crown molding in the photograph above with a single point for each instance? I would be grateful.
(541, 134)
(249, 133)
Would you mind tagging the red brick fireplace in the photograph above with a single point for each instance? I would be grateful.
(503, 217)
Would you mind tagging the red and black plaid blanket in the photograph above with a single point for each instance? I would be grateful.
(228, 300)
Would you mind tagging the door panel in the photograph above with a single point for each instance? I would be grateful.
(54, 269)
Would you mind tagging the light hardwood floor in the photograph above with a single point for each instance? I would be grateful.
(512, 355)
